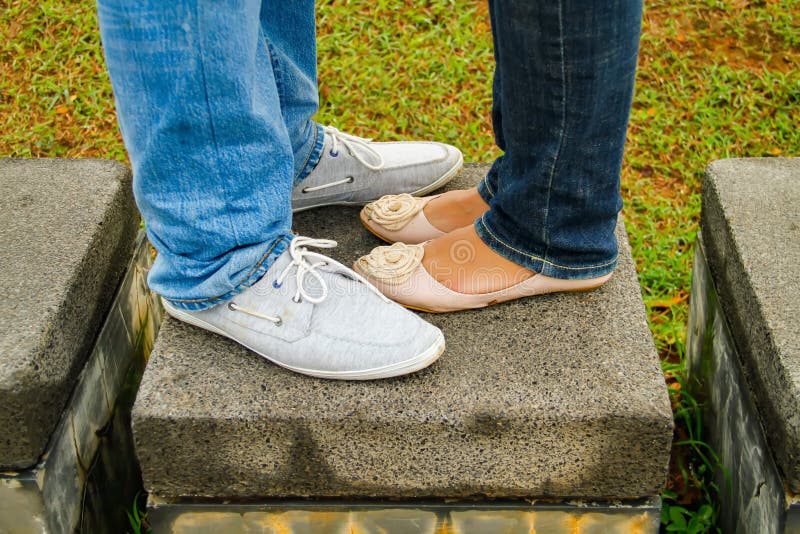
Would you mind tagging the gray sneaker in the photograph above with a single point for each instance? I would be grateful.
(312, 315)
(354, 171)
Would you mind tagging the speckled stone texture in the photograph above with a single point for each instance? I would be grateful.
(553, 396)
(756, 500)
(67, 230)
(751, 233)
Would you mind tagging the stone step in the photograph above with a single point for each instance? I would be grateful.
(557, 396)
(751, 224)
(88, 476)
(314, 517)
(743, 339)
(67, 230)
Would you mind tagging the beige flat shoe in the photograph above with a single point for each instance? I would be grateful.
(399, 218)
(398, 273)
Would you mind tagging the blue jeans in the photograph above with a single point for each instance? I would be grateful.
(215, 102)
(562, 95)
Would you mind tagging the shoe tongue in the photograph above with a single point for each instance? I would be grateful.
(357, 146)
(278, 265)
(275, 269)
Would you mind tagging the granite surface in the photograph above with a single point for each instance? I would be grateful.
(559, 395)
(67, 230)
(754, 499)
(751, 233)
(88, 476)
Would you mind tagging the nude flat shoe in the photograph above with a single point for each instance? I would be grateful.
(398, 273)
(399, 218)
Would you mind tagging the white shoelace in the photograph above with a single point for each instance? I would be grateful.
(350, 142)
(302, 263)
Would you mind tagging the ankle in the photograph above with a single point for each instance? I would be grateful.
(455, 209)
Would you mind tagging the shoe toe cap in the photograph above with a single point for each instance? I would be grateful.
(385, 338)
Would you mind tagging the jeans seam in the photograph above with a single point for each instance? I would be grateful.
(202, 55)
(488, 187)
(253, 271)
(277, 73)
(537, 258)
(562, 128)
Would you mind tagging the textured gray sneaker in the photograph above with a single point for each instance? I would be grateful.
(354, 171)
(311, 314)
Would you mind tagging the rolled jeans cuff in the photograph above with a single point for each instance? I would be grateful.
(259, 270)
(540, 263)
(310, 154)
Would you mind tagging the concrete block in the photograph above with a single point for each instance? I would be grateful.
(754, 498)
(751, 234)
(88, 475)
(417, 517)
(558, 396)
(519, 522)
(89, 411)
(21, 506)
(62, 481)
(67, 230)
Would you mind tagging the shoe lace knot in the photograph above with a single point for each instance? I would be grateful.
(305, 263)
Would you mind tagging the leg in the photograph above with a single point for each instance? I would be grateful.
(199, 110)
(488, 185)
(562, 89)
(562, 116)
(289, 29)
(362, 170)
(213, 162)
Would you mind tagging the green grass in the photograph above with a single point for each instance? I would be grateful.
(55, 98)
(137, 516)
(717, 79)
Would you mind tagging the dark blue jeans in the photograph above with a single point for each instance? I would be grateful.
(562, 95)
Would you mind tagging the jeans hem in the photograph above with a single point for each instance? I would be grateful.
(313, 156)
(537, 263)
(276, 249)
(484, 190)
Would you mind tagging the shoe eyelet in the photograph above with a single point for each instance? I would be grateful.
(279, 322)
(333, 154)
(231, 306)
(276, 285)
(303, 191)
(296, 300)
(350, 179)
